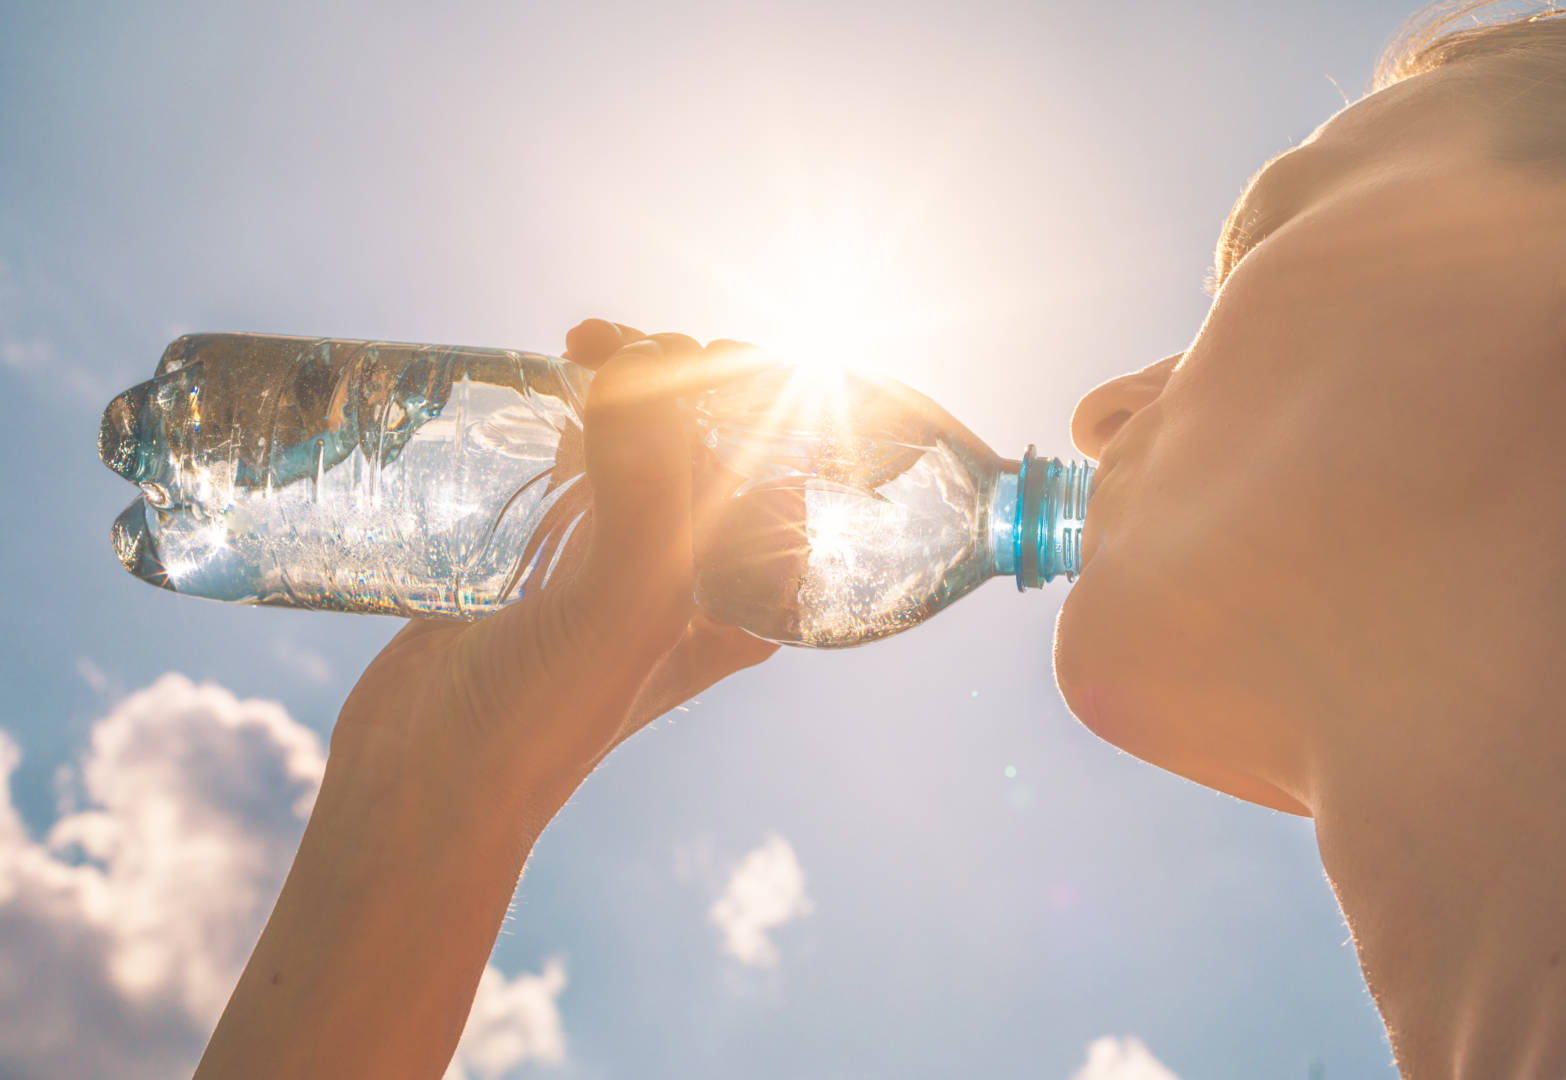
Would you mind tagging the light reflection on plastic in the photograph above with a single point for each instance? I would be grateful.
(833, 535)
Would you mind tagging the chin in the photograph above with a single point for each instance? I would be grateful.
(1095, 652)
(1141, 674)
(1107, 646)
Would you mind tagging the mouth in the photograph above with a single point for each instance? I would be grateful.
(1090, 522)
(1103, 468)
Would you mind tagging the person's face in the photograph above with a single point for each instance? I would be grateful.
(1290, 506)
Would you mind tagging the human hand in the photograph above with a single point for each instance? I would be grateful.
(532, 697)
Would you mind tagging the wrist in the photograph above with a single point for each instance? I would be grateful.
(444, 786)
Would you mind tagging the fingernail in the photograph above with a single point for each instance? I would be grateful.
(646, 346)
(590, 327)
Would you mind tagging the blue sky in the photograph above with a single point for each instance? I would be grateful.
(1001, 203)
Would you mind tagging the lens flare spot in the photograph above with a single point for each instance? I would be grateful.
(832, 529)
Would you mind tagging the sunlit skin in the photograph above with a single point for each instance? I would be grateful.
(1326, 562)
(1324, 573)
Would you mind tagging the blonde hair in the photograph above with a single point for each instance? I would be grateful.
(1517, 56)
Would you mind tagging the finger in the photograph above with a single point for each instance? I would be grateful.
(752, 554)
(635, 583)
(593, 341)
(726, 358)
(679, 350)
(723, 360)
(731, 345)
(710, 651)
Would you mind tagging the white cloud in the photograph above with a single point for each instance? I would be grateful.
(1110, 1058)
(123, 931)
(766, 889)
(512, 1022)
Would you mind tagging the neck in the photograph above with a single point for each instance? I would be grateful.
(1440, 816)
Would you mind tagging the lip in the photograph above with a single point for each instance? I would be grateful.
(1090, 533)
(1101, 472)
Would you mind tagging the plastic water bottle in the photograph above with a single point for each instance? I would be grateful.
(423, 480)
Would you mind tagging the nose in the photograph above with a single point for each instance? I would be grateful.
(1104, 410)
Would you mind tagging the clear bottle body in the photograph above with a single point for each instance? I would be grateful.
(435, 481)
(863, 507)
(348, 476)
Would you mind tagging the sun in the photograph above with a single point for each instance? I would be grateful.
(828, 289)
(824, 281)
(822, 293)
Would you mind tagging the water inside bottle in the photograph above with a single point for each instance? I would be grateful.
(352, 476)
(861, 508)
(423, 480)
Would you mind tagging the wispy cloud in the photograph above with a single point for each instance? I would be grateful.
(94, 676)
(1110, 1058)
(124, 929)
(37, 360)
(26, 354)
(696, 863)
(306, 662)
(766, 889)
(34, 357)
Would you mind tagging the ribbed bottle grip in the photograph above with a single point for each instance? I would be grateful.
(1051, 508)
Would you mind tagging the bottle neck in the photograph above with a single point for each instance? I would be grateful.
(1036, 518)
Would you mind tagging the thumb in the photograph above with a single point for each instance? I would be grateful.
(634, 587)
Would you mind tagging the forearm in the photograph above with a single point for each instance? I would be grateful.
(461, 740)
(368, 964)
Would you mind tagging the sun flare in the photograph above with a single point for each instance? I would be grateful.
(823, 294)
(829, 288)
(824, 280)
